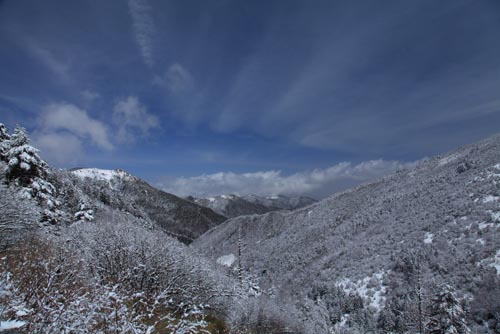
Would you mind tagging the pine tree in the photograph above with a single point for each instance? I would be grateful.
(26, 169)
(4, 141)
(23, 162)
(447, 314)
(85, 214)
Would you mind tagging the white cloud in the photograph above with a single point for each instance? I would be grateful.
(59, 148)
(143, 26)
(63, 117)
(132, 119)
(317, 182)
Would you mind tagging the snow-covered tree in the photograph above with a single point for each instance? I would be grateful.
(23, 162)
(447, 313)
(4, 140)
(85, 214)
(26, 169)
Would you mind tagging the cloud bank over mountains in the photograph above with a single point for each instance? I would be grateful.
(317, 183)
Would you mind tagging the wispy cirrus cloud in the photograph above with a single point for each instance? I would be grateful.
(317, 182)
(177, 80)
(143, 28)
(46, 57)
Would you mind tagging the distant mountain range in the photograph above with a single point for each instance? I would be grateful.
(233, 206)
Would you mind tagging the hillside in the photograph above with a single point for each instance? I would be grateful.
(176, 216)
(233, 206)
(439, 222)
(92, 250)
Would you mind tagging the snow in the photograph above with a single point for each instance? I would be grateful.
(489, 199)
(495, 215)
(101, 174)
(496, 262)
(226, 260)
(211, 199)
(228, 196)
(374, 295)
(428, 238)
(481, 241)
(11, 324)
(448, 159)
(482, 226)
(492, 261)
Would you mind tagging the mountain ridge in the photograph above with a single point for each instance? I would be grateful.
(233, 205)
(176, 216)
(447, 208)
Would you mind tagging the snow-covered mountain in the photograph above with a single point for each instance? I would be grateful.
(176, 216)
(367, 257)
(233, 206)
(103, 174)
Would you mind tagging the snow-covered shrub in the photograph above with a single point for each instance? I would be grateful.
(48, 288)
(176, 287)
(18, 216)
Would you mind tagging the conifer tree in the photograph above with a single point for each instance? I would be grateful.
(26, 169)
(447, 313)
(4, 141)
(23, 162)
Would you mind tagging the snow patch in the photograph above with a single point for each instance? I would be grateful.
(369, 288)
(482, 226)
(226, 260)
(494, 215)
(489, 199)
(428, 238)
(496, 262)
(11, 324)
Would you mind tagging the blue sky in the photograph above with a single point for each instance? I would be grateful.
(208, 97)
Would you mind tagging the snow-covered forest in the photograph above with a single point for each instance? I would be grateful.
(93, 251)
(76, 260)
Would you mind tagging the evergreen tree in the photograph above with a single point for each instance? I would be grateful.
(25, 168)
(4, 141)
(447, 314)
(23, 162)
